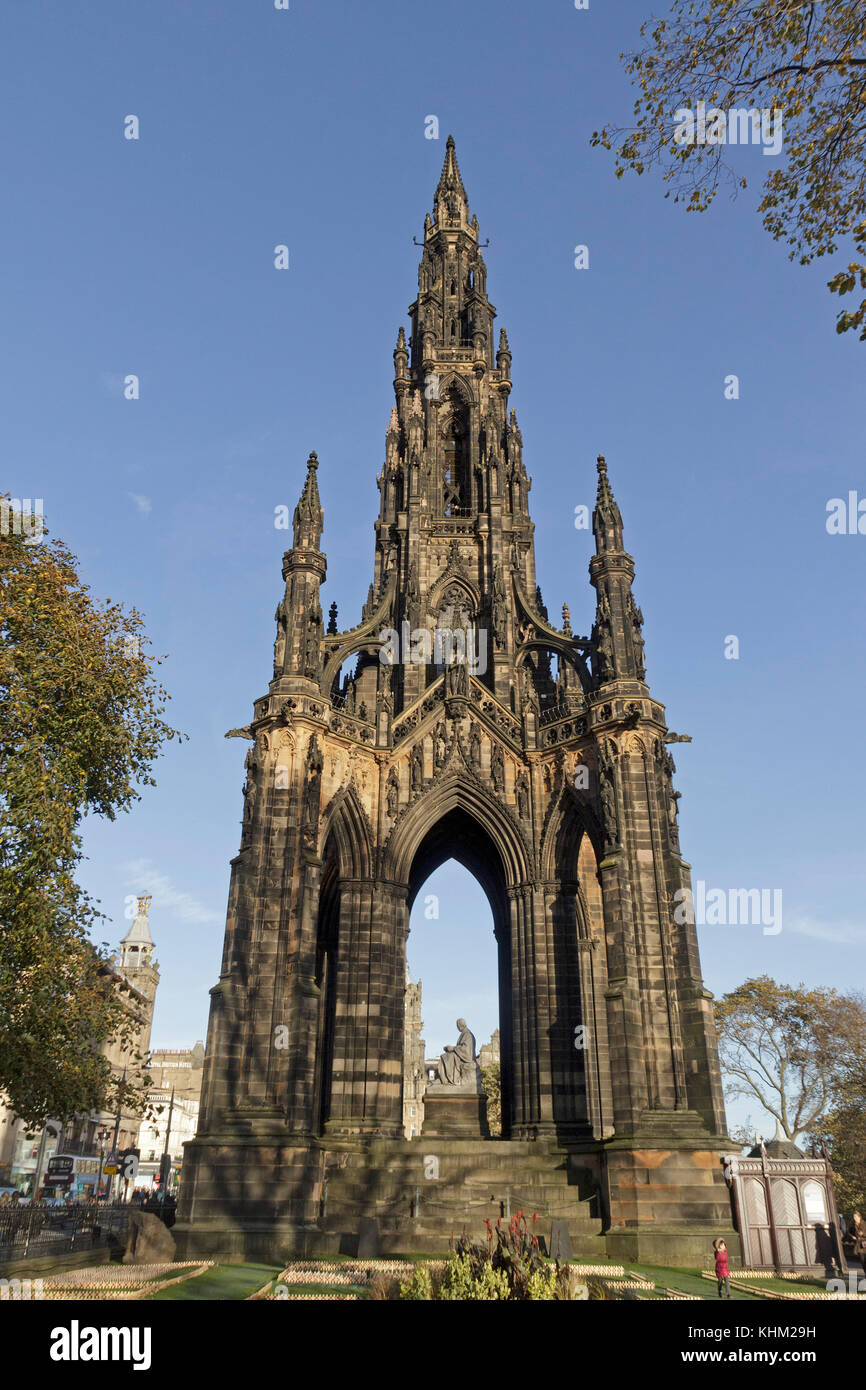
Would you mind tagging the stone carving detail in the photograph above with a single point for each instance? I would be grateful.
(499, 608)
(475, 747)
(312, 645)
(603, 642)
(636, 618)
(607, 792)
(250, 792)
(281, 620)
(416, 769)
(413, 596)
(522, 790)
(497, 768)
(439, 746)
(392, 793)
(312, 791)
(668, 767)
(457, 678)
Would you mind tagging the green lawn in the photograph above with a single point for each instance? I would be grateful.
(235, 1282)
(685, 1280)
(239, 1281)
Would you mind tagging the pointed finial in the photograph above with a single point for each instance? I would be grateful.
(449, 190)
(566, 620)
(309, 517)
(401, 337)
(606, 519)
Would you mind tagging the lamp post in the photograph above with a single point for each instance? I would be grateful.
(101, 1139)
(114, 1141)
(164, 1183)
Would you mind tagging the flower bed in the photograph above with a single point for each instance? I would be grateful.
(120, 1281)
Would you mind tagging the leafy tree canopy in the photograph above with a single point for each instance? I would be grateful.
(804, 62)
(791, 1049)
(80, 726)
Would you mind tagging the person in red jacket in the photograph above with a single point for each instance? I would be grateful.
(723, 1273)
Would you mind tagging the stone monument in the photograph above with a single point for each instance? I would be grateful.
(554, 791)
(455, 1105)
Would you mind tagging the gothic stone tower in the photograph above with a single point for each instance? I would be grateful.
(542, 765)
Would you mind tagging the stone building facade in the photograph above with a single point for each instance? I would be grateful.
(173, 1097)
(23, 1151)
(457, 719)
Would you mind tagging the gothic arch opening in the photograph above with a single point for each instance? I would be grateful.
(457, 836)
(452, 963)
(455, 453)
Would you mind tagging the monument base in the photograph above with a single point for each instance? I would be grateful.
(452, 1114)
(245, 1197)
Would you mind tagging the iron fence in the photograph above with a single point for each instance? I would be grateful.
(39, 1228)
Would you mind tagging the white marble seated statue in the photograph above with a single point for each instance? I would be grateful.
(457, 1065)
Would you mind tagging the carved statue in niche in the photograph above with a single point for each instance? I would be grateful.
(281, 619)
(312, 645)
(636, 618)
(669, 767)
(497, 768)
(530, 696)
(312, 790)
(385, 698)
(250, 789)
(413, 596)
(416, 768)
(392, 793)
(475, 746)
(607, 792)
(457, 678)
(499, 607)
(522, 797)
(439, 746)
(605, 654)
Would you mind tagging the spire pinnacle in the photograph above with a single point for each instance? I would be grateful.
(450, 203)
(309, 517)
(606, 519)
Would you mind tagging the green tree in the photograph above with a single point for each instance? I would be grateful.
(843, 1131)
(80, 726)
(791, 1049)
(806, 63)
(491, 1084)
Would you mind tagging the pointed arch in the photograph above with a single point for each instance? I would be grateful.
(346, 825)
(459, 793)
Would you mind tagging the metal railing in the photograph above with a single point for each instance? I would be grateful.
(39, 1228)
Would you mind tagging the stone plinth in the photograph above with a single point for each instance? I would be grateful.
(455, 1114)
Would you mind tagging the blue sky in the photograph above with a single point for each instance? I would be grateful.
(307, 127)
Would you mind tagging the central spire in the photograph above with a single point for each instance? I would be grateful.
(450, 203)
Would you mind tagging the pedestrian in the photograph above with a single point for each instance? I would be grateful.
(857, 1233)
(723, 1273)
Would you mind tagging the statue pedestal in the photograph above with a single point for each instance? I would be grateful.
(451, 1113)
